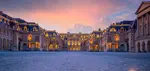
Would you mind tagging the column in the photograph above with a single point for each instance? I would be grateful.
(138, 29)
(136, 47)
(141, 47)
(146, 48)
(143, 26)
(146, 27)
(2, 44)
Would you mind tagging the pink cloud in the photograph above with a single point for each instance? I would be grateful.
(66, 14)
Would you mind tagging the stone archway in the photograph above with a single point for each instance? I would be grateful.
(138, 47)
(25, 47)
(148, 46)
(122, 48)
(143, 47)
(4, 44)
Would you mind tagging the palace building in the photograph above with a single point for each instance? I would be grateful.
(95, 41)
(115, 37)
(143, 27)
(17, 34)
(53, 41)
(75, 41)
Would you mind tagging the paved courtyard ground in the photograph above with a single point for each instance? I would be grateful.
(74, 61)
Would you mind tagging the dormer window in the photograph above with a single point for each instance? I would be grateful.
(122, 29)
(112, 30)
(18, 28)
(25, 28)
(54, 34)
(35, 29)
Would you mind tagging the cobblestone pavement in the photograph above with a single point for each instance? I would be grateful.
(74, 61)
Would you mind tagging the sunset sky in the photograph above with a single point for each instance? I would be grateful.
(71, 15)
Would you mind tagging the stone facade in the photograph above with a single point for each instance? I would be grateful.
(95, 41)
(75, 41)
(143, 28)
(17, 34)
(127, 36)
(115, 37)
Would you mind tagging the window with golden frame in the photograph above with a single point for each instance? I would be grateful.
(35, 29)
(112, 30)
(25, 28)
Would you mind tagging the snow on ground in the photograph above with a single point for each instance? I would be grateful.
(74, 61)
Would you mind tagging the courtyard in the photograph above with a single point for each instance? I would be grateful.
(74, 61)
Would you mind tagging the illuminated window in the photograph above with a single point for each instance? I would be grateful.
(112, 30)
(56, 46)
(78, 43)
(84, 36)
(37, 45)
(117, 38)
(97, 36)
(68, 43)
(109, 45)
(35, 29)
(77, 49)
(29, 45)
(25, 28)
(72, 42)
(74, 35)
(74, 49)
(46, 35)
(51, 46)
(116, 45)
(29, 37)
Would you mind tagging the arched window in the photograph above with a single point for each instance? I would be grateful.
(25, 28)
(18, 28)
(112, 30)
(54, 34)
(35, 29)
(117, 38)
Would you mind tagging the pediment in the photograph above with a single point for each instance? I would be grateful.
(143, 6)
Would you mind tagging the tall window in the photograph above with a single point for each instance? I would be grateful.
(117, 38)
(36, 38)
